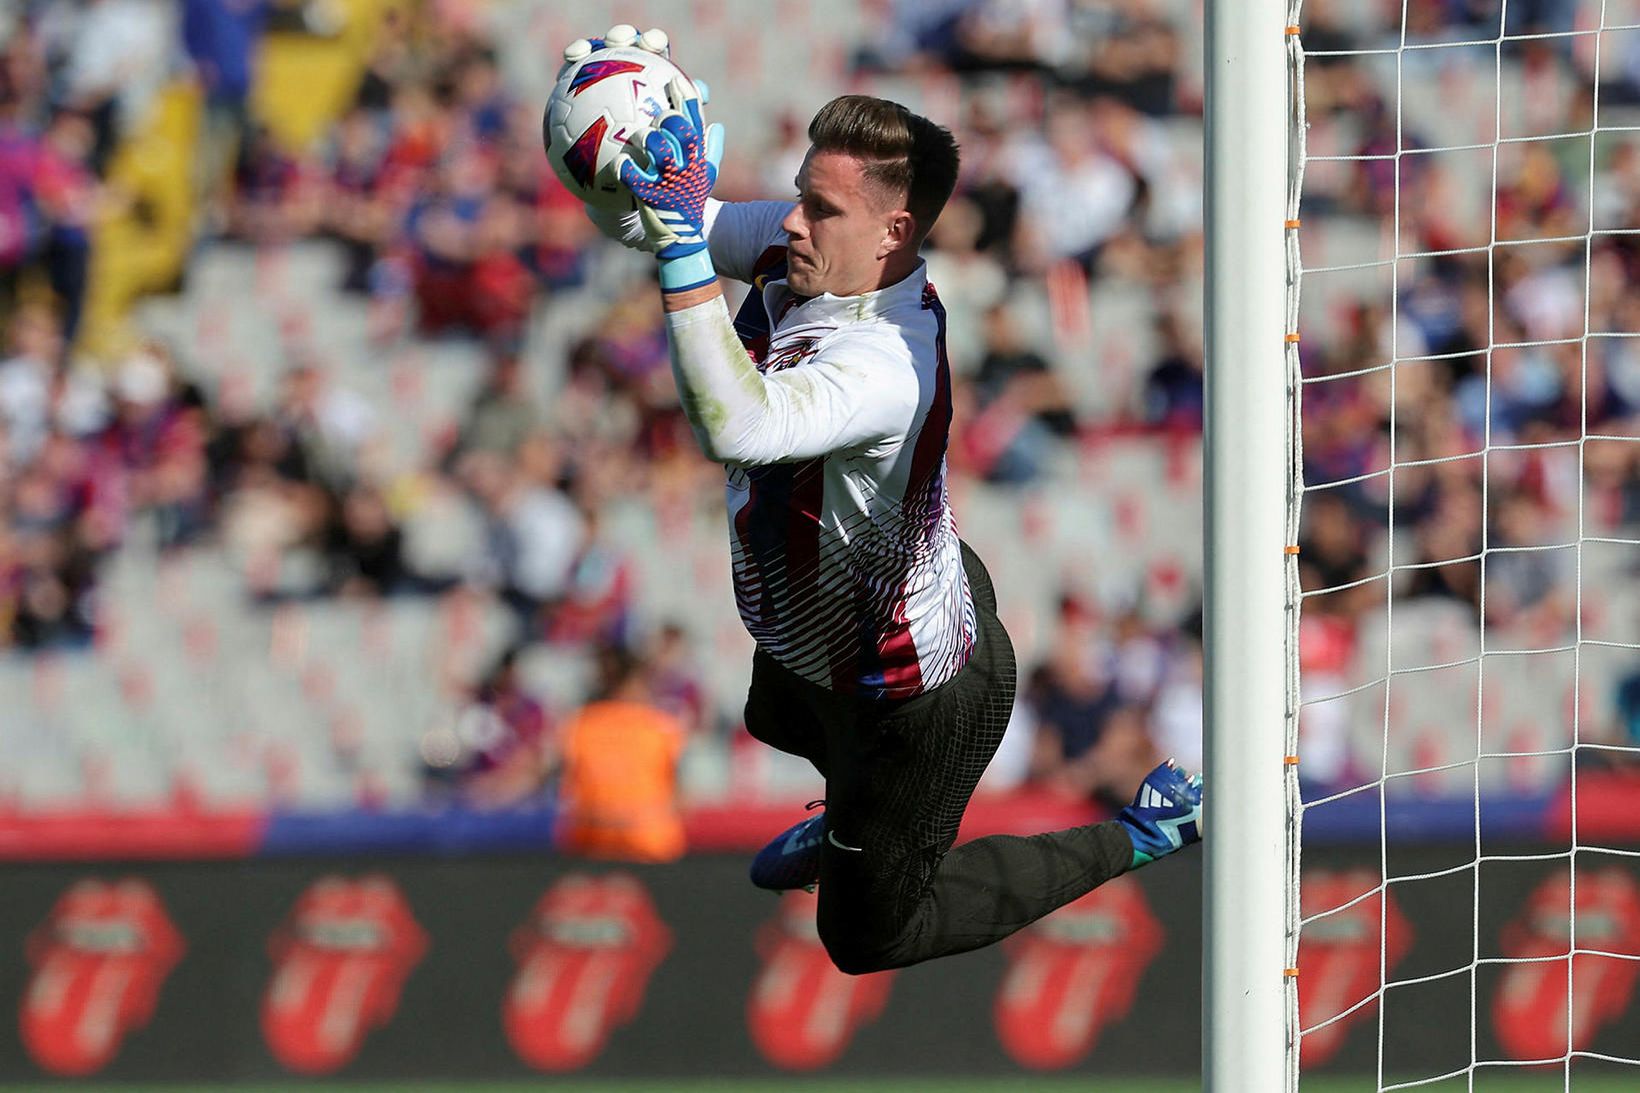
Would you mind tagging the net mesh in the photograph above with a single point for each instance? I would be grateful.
(1464, 375)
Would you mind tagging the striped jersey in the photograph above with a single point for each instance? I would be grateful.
(847, 568)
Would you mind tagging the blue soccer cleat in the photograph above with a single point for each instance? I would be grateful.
(792, 859)
(1165, 815)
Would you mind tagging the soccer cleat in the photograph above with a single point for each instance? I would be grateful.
(792, 858)
(1165, 815)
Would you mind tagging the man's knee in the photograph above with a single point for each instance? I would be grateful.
(858, 941)
(853, 952)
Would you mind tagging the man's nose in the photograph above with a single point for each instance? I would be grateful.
(793, 224)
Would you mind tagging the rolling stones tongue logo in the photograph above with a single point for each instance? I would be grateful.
(1338, 957)
(802, 1012)
(340, 964)
(584, 956)
(99, 961)
(1074, 973)
(1529, 1009)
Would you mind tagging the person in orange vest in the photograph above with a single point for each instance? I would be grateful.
(618, 787)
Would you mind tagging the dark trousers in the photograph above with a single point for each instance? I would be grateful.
(898, 776)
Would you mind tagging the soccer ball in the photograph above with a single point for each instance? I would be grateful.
(601, 106)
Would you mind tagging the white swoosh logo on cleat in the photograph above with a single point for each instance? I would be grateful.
(832, 835)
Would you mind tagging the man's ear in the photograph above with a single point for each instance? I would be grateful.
(900, 234)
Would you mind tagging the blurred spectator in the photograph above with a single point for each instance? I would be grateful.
(221, 38)
(276, 196)
(27, 376)
(355, 210)
(365, 546)
(1173, 390)
(1074, 195)
(503, 415)
(619, 783)
(499, 751)
(158, 436)
(1126, 52)
(66, 193)
(596, 603)
(534, 533)
(1072, 696)
(1021, 406)
(115, 57)
(674, 679)
(466, 274)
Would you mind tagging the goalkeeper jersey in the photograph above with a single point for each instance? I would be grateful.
(846, 562)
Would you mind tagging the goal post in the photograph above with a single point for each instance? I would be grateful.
(1250, 911)
(1438, 396)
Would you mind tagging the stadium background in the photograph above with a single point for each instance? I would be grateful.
(342, 469)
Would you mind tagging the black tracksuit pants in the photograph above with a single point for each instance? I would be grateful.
(898, 776)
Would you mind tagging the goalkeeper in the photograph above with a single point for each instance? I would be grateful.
(880, 657)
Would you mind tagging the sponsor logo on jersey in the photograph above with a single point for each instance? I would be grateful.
(1529, 1009)
(1073, 974)
(585, 956)
(802, 1012)
(789, 353)
(1338, 963)
(99, 961)
(340, 964)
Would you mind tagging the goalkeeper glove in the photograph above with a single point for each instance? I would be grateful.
(672, 188)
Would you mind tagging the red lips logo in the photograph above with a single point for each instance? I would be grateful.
(1338, 956)
(1074, 973)
(802, 1012)
(340, 963)
(99, 961)
(584, 960)
(1529, 1009)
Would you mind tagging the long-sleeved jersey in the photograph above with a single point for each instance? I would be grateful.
(832, 415)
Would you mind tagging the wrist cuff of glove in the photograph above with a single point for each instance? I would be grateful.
(687, 271)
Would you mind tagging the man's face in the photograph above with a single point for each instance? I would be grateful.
(839, 228)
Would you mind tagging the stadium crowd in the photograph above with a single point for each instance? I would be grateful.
(1078, 125)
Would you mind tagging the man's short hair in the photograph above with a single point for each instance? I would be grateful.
(903, 153)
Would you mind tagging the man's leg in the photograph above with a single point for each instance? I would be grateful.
(781, 712)
(892, 891)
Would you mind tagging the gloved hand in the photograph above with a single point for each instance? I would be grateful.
(621, 34)
(671, 189)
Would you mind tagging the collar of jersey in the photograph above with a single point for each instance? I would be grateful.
(867, 306)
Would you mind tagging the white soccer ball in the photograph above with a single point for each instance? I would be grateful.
(602, 104)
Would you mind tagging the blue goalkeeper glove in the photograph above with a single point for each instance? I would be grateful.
(684, 154)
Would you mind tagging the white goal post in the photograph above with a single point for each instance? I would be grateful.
(1248, 923)
(1439, 397)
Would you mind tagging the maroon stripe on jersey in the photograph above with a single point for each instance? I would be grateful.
(804, 502)
(896, 649)
(778, 571)
(752, 320)
(743, 529)
(772, 256)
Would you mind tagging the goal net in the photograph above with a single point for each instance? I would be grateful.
(1463, 248)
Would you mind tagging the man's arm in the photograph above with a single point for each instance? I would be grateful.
(864, 391)
(737, 233)
(858, 393)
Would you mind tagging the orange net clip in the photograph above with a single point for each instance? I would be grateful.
(1293, 223)
(1292, 338)
(1290, 760)
(1291, 973)
(1292, 30)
